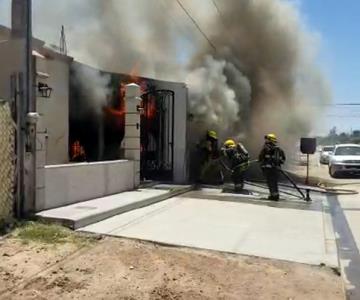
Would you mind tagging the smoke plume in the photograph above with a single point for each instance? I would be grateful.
(273, 57)
(128, 36)
(219, 95)
(260, 74)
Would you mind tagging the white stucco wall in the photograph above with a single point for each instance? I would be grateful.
(72, 183)
(11, 55)
(54, 111)
(8, 65)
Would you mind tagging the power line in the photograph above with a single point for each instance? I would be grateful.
(227, 32)
(224, 24)
(174, 19)
(343, 116)
(225, 27)
(338, 104)
(346, 104)
(216, 7)
(196, 24)
(334, 104)
(221, 19)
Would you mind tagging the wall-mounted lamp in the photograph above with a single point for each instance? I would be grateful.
(44, 90)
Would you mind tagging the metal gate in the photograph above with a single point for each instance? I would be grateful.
(157, 135)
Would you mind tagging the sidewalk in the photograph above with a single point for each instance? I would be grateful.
(95, 210)
(289, 230)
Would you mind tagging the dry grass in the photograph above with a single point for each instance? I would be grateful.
(48, 234)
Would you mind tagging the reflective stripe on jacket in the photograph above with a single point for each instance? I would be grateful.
(271, 156)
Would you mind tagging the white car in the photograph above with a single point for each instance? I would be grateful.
(345, 160)
(325, 154)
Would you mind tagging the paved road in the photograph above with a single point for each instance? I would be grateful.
(345, 212)
(321, 172)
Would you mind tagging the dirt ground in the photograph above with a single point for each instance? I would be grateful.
(112, 268)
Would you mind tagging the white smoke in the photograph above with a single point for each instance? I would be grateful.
(212, 101)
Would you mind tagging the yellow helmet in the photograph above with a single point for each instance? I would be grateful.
(229, 143)
(212, 134)
(271, 137)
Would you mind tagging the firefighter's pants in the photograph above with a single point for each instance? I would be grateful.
(272, 179)
(211, 172)
(238, 179)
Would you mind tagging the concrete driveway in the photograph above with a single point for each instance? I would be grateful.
(289, 230)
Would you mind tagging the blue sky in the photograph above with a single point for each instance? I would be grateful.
(338, 23)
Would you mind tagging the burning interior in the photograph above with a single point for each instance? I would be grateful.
(96, 126)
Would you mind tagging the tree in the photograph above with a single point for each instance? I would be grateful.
(356, 133)
(333, 132)
(343, 138)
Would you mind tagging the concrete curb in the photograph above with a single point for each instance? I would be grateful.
(91, 219)
(200, 249)
(331, 248)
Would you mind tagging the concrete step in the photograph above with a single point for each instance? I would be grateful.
(88, 212)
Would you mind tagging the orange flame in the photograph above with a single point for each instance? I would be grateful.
(133, 74)
(150, 110)
(117, 113)
(77, 152)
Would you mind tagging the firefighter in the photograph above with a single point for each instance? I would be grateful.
(271, 158)
(238, 158)
(208, 151)
(210, 145)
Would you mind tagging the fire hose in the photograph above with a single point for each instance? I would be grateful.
(330, 191)
(246, 164)
(298, 188)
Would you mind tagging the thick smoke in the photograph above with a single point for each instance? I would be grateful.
(137, 37)
(128, 36)
(262, 77)
(214, 101)
(266, 43)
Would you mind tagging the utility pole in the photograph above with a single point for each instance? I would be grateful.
(26, 105)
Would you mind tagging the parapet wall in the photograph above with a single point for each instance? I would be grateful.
(71, 183)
